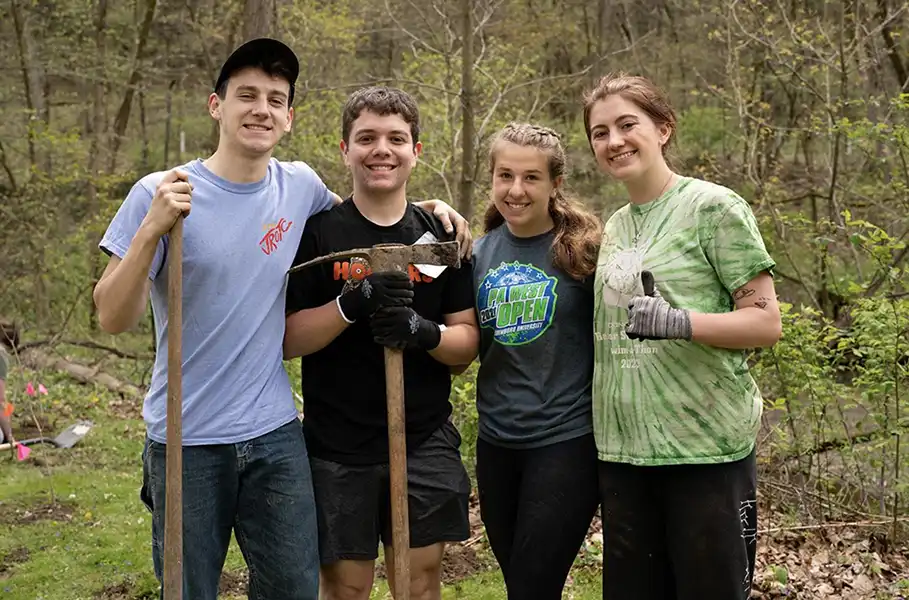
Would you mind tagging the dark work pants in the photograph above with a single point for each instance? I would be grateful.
(537, 505)
(685, 532)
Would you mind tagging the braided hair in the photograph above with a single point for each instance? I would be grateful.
(577, 230)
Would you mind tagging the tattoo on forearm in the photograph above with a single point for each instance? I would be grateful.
(742, 293)
(762, 302)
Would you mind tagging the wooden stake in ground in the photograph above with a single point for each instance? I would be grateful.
(173, 508)
(397, 257)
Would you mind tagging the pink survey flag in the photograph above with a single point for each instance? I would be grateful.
(22, 452)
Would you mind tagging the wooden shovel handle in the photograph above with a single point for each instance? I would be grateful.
(397, 471)
(173, 508)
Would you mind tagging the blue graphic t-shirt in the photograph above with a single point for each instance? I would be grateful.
(519, 301)
(536, 343)
(238, 242)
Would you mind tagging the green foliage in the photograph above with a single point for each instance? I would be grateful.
(703, 130)
(824, 382)
(464, 414)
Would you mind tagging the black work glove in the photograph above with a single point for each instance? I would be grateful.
(400, 327)
(650, 317)
(386, 288)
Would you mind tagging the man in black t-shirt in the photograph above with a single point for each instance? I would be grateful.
(339, 317)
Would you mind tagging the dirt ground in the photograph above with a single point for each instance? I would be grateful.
(41, 510)
(15, 556)
(838, 561)
(116, 591)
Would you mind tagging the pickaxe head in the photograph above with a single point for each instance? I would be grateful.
(395, 257)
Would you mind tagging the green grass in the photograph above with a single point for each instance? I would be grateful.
(105, 536)
(101, 533)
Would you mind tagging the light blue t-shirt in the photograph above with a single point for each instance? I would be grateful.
(238, 243)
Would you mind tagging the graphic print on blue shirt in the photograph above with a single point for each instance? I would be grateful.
(517, 301)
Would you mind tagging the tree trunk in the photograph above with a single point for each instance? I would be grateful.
(4, 161)
(145, 166)
(467, 111)
(94, 159)
(126, 104)
(257, 18)
(899, 69)
(32, 92)
(168, 119)
(44, 115)
(34, 84)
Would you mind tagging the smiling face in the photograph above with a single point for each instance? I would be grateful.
(522, 188)
(380, 153)
(254, 112)
(625, 140)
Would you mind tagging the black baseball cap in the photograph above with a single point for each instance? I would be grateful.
(256, 52)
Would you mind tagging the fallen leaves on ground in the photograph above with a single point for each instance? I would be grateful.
(850, 562)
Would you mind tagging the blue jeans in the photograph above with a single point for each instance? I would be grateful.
(262, 490)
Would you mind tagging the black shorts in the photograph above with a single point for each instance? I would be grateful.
(353, 504)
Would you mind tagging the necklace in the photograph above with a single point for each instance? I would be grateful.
(637, 230)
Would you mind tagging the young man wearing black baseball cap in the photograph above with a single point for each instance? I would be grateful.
(245, 467)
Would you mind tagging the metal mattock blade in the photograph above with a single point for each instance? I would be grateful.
(443, 254)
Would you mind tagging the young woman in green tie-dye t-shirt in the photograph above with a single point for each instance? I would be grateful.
(683, 287)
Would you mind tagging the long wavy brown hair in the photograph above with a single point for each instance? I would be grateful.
(577, 230)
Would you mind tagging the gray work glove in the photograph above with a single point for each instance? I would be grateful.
(652, 318)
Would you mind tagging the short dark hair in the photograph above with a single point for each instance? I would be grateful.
(271, 68)
(382, 101)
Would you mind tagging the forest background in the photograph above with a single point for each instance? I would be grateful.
(801, 106)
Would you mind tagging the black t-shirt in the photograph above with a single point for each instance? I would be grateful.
(344, 405)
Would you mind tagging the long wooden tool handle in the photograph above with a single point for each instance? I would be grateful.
(173, 509)
(397, 460)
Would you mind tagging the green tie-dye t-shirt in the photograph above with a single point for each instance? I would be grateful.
(666, 402)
